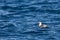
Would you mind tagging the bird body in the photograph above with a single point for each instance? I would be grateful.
(42, 25)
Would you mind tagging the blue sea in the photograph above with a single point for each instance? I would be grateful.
(19, 19)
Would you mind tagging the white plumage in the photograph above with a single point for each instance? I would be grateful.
(42, 25)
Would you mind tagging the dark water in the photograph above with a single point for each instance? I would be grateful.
(19, 19)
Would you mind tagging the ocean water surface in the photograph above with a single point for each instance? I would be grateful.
(19, 19)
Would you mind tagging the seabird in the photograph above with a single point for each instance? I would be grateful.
(42, 25)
